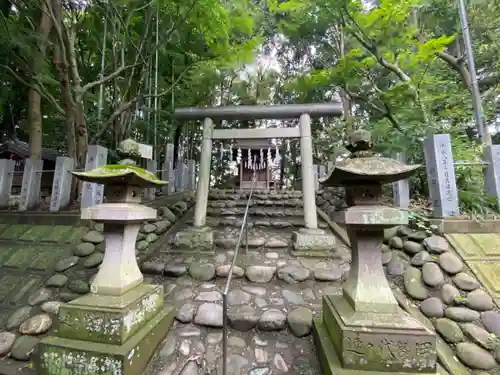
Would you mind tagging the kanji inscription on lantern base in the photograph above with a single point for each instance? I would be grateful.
(441, 175)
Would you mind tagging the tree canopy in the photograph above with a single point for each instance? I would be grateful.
(77, 73)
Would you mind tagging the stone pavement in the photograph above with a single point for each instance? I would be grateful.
(272, 299)
(481, 252)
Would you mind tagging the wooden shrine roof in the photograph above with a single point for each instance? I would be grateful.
(21, 149)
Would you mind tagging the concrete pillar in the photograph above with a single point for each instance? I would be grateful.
(93, 194)
(308, 175)
(168, 169)
(401, 189)
(191, 174)
(32, 178)
(200, 210)
(151, 166)
(61, 185)
(6, 177)
(441, 175)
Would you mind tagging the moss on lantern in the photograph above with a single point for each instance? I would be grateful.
(121, 174)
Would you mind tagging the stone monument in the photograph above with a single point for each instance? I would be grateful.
(116, 328)
(364, 331)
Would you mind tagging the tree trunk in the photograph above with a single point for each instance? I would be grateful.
(34, 98)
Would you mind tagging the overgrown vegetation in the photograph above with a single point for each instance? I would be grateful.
(399, 68)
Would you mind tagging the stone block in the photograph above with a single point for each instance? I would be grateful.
(92, 194)
(30, 190)
(329, 361)
(441, 175)
(313, 243)
(394, 342)
(371, 215)
(57, 355)
(61, 185)
(196, 239)
(6, 176)
(110, 319)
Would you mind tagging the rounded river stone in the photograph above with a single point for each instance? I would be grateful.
(475, 356)
(450, 330)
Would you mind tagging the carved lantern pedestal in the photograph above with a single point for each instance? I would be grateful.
(116, 328)
(364, 328)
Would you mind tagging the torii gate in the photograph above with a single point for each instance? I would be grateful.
(201, 236)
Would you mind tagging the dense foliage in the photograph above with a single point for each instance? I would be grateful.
(398, 67)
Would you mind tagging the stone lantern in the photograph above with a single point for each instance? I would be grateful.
(116, 328)
(364, 328)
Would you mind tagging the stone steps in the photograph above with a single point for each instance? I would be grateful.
(255, 211)
(256, 195)
(260, 203)
(236, 222)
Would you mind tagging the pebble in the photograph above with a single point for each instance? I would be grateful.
(293, 274)
(255, 290)
(436, 244)
(238, 297)
(412, 247)
(66, 264)
(479, 300)
(18, 317)
(93, 260)
(475, 356)
(479, 335)
(209, 314)
(397, 266)
(202, 271)
(396, 243)
(40, 296)
(93, 236)
(332, 273)
(175, 270)
(6, 341)
(491, 321)
(432, 307)
(465, 282)
(449, 294)
(260, 274)
(421, 258)
(461, 314)
(186, 313)
(450, 263)
(300, 321)
(432, 274)
(23, 347)
(260, 371)
(261, 355)
(223, 271)
(450, 330)
(272, 320)
(84, 249)
(155, 268)
(212, 296)
(36, 325)
(57, 281)
(414, 285)
(243, 318)
(280, 363)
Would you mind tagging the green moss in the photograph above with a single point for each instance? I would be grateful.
(112, 322)
(121, 174)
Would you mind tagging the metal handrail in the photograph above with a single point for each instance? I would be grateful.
(244, 227)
